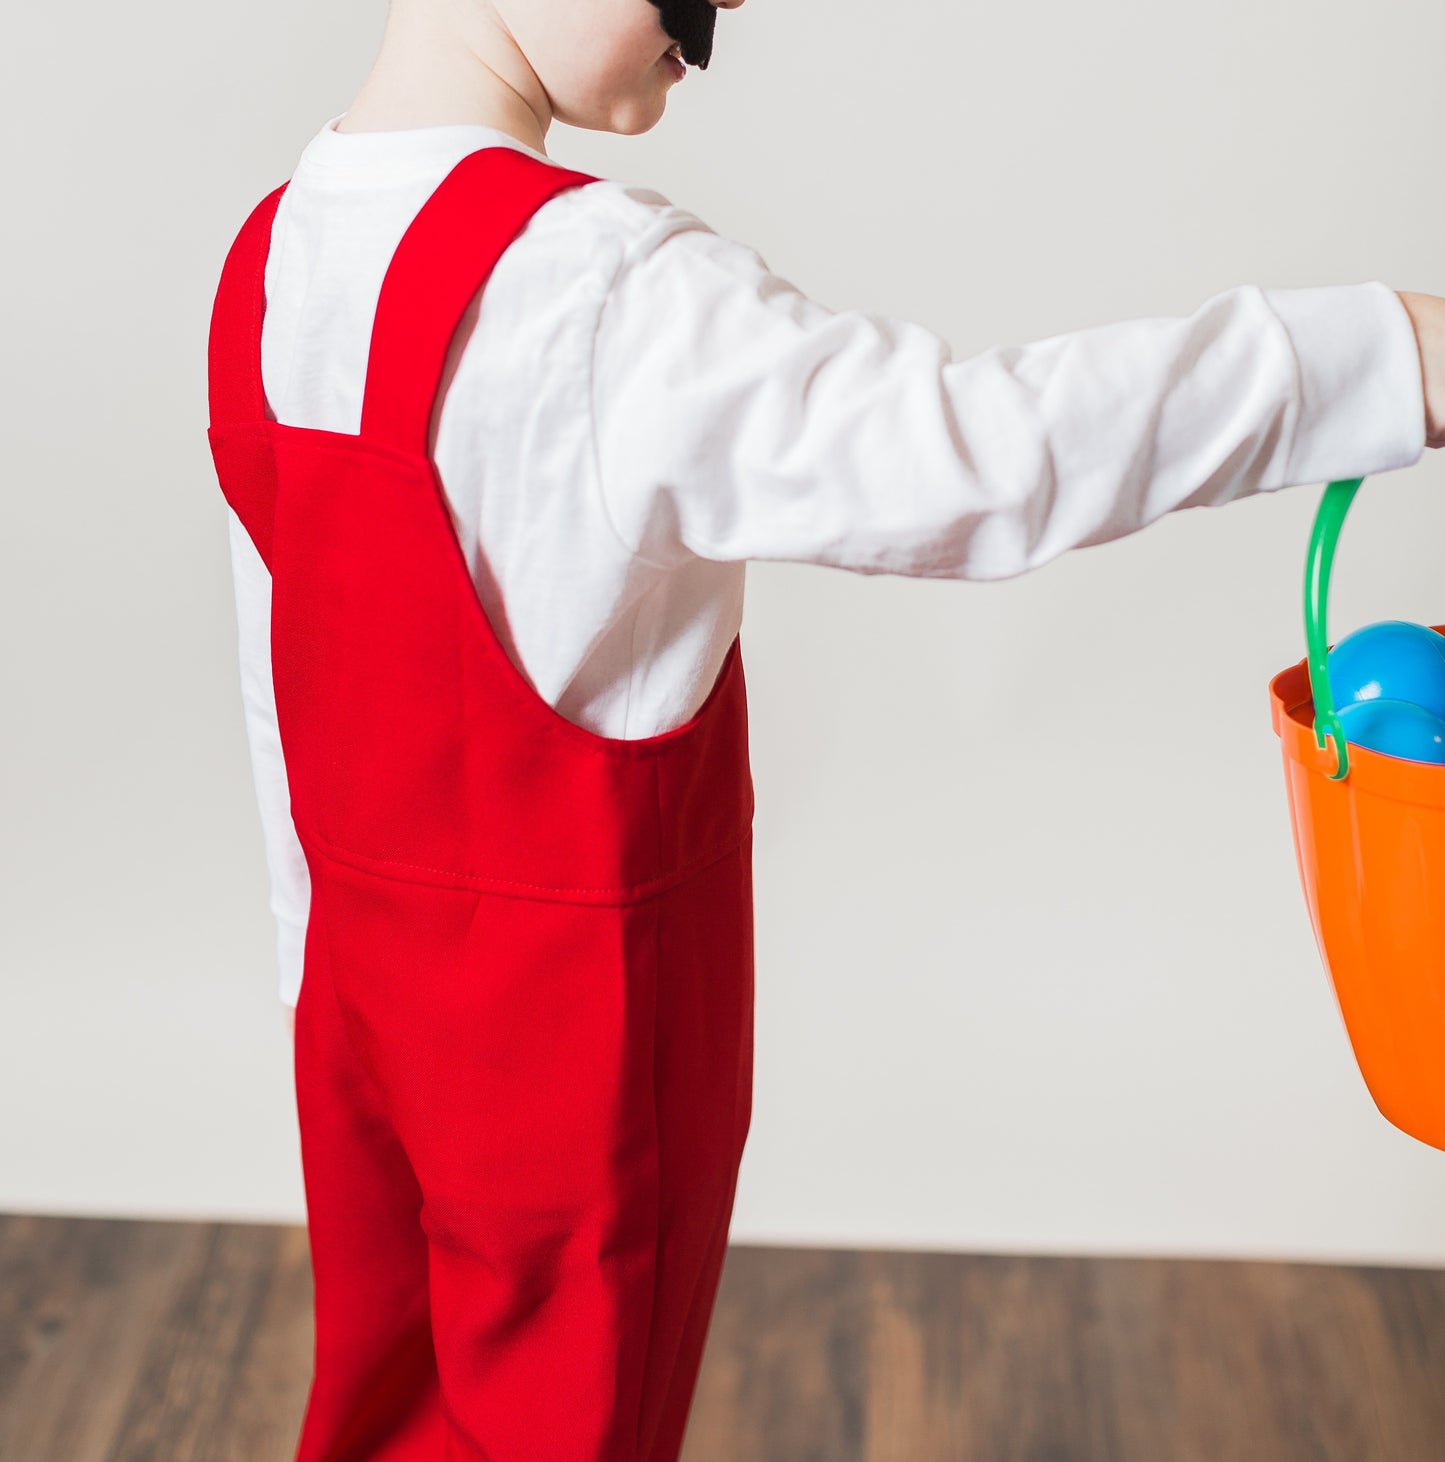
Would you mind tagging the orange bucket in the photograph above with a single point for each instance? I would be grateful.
(1369, 838)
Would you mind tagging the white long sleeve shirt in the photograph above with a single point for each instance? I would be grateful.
(636, 406)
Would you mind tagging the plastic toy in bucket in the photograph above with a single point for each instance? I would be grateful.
(1369, 837)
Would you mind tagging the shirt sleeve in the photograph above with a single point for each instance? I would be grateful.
(735, 418)
(290, 878)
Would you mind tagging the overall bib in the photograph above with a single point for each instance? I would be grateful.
(524, 1042)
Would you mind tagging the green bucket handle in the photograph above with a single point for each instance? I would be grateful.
(1328, 521)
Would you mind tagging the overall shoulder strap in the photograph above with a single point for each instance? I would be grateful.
(236, 393)
(443, 259)
(240, 444)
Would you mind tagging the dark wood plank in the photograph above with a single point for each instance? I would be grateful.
(273, 1370)
(131, 1339)
(91, 1293)
(200, 1373)
(1044, 1359)
(137, 1341)
(783, 1372)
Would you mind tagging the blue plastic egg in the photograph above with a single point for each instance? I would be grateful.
(1392, 660)
(1396, 728)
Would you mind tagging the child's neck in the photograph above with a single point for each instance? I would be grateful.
(423, 80)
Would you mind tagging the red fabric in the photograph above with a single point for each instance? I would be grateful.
(524, 1040)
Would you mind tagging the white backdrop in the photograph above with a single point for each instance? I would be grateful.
(1034, 970)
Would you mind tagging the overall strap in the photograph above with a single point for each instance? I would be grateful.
(236, 393)
(443, 259)
(241, 445)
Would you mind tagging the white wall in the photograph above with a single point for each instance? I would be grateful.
(1034, 971)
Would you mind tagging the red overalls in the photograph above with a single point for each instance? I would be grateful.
(524, 1038)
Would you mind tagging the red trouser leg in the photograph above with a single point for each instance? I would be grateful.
(374, 1394)
(570, 1085)
(703, 1074)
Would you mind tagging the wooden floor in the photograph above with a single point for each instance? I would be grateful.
(125, 1341)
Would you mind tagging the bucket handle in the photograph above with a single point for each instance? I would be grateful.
(1328, 521)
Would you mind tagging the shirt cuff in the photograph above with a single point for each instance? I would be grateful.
(1362, 396)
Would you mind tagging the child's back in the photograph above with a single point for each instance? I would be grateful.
(524, 1035)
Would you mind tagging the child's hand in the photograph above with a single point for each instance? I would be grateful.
(291, 1020)
(1427, 314)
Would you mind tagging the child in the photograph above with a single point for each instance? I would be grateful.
(509, 840)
